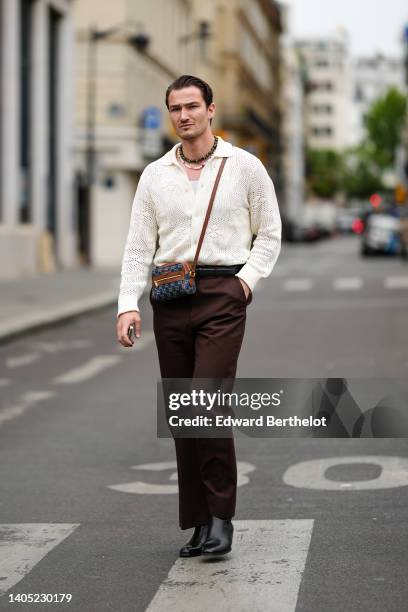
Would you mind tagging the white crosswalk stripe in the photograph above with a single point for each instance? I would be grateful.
(298, 284)
(347, 284)
(263, 572)
(396, 282)
(23, 545)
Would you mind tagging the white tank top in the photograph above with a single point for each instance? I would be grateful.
(194, 184)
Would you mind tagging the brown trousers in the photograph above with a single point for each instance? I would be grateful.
(200, 336)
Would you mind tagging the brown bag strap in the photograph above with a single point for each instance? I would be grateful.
(207, 216)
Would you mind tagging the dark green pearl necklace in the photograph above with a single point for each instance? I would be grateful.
(201, 159)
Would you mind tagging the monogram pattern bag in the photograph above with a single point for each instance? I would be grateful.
(177, 279)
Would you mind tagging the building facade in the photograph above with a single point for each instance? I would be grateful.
(371, 78)
(37, 224)
(293, 132)
(242, 58)
(327, 65)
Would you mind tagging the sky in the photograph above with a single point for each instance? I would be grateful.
(373, 25)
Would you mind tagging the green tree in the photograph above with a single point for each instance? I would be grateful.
(323, 172)
(384, 125)
(361, 174)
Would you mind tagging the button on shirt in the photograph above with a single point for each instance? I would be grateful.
(168, 214)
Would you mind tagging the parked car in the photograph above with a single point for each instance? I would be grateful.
(345, 220)
(300, 230)
(381, 235)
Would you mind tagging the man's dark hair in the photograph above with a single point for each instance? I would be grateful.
(187, 80)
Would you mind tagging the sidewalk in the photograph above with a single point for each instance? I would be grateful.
(30, 303)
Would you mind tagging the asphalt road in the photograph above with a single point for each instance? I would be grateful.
(88, 502)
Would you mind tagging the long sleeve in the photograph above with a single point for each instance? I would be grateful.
(265, 224)
(139, 249)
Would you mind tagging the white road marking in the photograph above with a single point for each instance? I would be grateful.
(22, 404)
(146, 488)
(22, 360)
(263, 572)
(23, 545)
(347, 283)
(156, 467)
(62, 345)
(396, 282)
(312, 474)
(46, 347)
(91, 368)
(350, 283)
(298, 284)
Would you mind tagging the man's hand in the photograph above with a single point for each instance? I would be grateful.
(245, 286)
(122, 327)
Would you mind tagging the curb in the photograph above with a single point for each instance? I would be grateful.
(11, 329)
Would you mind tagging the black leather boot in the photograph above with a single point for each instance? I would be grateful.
(193, 546)
(219, 538)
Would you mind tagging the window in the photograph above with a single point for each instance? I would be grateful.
(322, 131)
(358, 94)
(320, 86)
(322, 109)
(322, 63)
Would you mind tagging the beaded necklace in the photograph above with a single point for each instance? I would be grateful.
(186, 161)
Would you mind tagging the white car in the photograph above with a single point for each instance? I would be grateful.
(381, 235)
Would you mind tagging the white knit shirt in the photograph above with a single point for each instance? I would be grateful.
(167, 217)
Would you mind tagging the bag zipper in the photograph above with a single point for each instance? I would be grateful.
(156, 282)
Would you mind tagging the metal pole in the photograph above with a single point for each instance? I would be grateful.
(91, 108)
(89, 141)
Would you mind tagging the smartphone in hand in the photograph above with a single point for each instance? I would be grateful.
(131, 333)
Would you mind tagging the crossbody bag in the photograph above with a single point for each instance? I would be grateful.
(177, 279)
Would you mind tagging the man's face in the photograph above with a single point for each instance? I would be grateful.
(188, 112)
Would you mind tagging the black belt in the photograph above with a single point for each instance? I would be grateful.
(218, 270)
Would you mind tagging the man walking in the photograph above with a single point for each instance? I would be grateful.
(200, 335)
